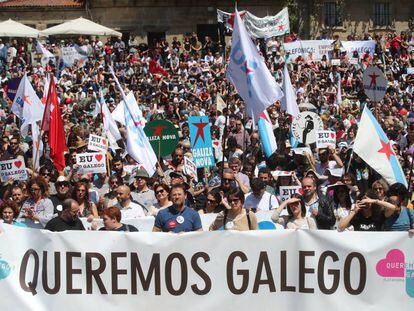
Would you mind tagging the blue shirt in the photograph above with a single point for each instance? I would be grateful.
(171, 220)
(400, 222)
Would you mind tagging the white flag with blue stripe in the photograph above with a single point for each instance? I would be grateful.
(373, 146)
(249, 74)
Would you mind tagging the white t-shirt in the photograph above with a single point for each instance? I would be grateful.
(266, 203)
(134, 210)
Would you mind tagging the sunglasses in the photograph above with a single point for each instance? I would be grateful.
(226, 180)
(45, 174)
(62, 184)
(159, 191)
(212, 201)
(233, 200)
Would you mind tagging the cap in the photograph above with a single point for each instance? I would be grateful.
(140, 172)
(336, 171)
(61, 178)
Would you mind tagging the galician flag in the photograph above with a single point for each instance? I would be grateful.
(138, 145)
(267, 136)
(26, 105)
(249, 74)
(373, 146)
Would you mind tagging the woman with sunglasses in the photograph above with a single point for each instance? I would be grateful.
(81, 195)
(37, 208)
(380, 187)
(9, 211)
(235, 217)
(213, 203)
(296, 218)
(162, 194)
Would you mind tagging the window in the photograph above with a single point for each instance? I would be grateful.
(332, 14)
(382, 15)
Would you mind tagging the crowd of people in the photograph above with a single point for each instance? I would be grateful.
(339, 191)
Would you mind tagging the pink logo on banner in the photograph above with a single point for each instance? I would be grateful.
(393, 265)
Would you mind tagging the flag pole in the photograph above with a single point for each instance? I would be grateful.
(223, 145)
(411, 173)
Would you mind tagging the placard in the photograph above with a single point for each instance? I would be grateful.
(162, 135)
(375, 83)
(15, 169)
(97, 143)
(325, 139)
(91, 162)
(302, 151)
(190, 168)
(335, 62)
(285, 192)
(305, 126)
(201, 144)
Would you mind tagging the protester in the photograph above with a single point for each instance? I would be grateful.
(178, 217)
(128, 208)
(259, 199)
(37, 208)
(68, 219)
(234, 216)
(162, 193)
(112, 221)
(189, 80)
(9, 211)
(87, 208)
(214, 203)
(62, 186)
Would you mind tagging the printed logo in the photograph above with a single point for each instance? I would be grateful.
(5, 269)
(394, 266)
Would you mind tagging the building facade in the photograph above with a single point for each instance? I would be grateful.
(148, 19)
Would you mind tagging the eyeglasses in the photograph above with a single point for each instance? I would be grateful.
(14, 143)
(159, 191)
(45, 174)
(233, 200)
(114, 183)
(226, 180)
(63, 184)
(211, 201)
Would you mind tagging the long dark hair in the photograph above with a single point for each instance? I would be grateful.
(302, 206)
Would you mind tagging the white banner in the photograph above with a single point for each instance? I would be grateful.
(268, 26)
(308, 49)
(91, 162)
(325, 139)
(360, 46)
(97, 143)
(71, 55)
(15, 169)
(293, 270)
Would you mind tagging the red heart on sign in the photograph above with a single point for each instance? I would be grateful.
(333, 135)
(99, 157)
(300, 191)
(104, 141)
(18, 164)
(216, 143)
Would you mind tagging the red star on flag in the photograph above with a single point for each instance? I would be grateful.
(26, 100)
(233, 15)
(246, 68)
(373, 77)
(263, 116)
(138, 123)
(200, 131)
(281, 27)
(386, 149)
(158, 130)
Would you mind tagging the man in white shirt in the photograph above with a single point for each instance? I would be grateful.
(259, 199)
(128, 208)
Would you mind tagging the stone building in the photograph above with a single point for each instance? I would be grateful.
(148, 19)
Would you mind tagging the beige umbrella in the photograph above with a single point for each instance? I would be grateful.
(80, 26)
(11, 28)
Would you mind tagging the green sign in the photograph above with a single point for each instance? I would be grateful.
(162, 134)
